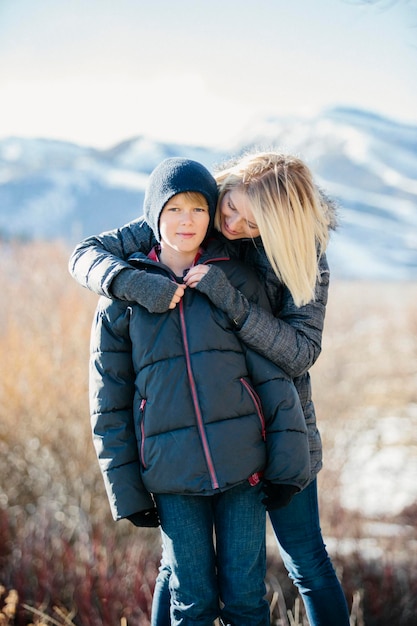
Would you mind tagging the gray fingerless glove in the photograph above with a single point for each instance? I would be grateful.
(151, 291)
(224, 296)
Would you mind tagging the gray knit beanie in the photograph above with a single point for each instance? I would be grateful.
(177, 175)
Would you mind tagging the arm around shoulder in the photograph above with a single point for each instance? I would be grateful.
(97, 260)
(292, 337)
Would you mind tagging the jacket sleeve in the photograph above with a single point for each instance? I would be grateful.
(291, 339)
(232, 294)
(111, 393)
(288, 452)
(97, 260)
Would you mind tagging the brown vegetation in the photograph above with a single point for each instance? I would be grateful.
(62, 558)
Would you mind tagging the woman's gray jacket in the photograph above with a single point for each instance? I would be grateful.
(179, 405)
(291, 337)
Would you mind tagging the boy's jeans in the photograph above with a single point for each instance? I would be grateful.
(230, 566)
(297, 527)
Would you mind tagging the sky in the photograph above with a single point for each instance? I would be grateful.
(98, 72)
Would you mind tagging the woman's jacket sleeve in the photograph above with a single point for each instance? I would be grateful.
(292, 340)
(97, 260)
(111, 408)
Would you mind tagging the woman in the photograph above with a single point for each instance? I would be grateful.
(278, 223)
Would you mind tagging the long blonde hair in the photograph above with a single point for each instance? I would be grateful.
(292, 216)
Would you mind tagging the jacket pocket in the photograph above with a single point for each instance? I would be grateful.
(257, 403)
(142, 432)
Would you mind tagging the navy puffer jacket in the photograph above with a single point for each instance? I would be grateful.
(173, 405)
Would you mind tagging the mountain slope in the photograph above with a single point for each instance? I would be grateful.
(52, 189)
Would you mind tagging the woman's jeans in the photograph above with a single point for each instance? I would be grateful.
(297, 528)
(213, 575)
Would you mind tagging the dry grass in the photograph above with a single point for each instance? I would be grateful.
(367, 371)
(59, 549)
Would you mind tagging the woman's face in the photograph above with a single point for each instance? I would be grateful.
(236, 217)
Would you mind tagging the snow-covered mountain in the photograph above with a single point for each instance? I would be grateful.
(51, 189)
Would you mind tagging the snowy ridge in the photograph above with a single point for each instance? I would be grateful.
(53, 189)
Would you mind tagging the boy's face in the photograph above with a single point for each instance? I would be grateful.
(184, 222)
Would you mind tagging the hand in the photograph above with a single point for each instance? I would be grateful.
(177, 296)
(195, 274)
(155, 293)
(145, 519)
(277, 496)
(211, 280)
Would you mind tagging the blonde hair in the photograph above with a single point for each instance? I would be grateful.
(194, 197)
(292, 217)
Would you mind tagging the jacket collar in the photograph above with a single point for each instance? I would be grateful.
(155, 252)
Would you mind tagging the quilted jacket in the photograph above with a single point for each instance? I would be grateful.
(178, 405)
(291, 338)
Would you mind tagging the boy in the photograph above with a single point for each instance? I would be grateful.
(175, 415)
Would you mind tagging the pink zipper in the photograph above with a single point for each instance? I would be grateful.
(258, 406)
(200, 424)
(142, 431)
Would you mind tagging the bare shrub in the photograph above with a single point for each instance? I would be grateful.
(59, 548)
